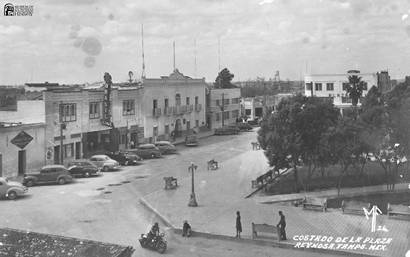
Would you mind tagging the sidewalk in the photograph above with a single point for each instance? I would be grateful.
(221, 193)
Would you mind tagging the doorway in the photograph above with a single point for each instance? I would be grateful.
(78, 150)
(21, 162)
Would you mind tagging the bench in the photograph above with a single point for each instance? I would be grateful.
(397, 211)
(354, 207)
(315, 204)
(212, 165)
(255, 146)
(267, 229)
(170, 183)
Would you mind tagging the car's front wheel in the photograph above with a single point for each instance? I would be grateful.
(105, 169)
(12, 195)
(61, 181)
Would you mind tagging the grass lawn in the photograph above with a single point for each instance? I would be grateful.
(373, 174)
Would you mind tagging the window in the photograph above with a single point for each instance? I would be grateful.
(197, 123)
(346, 99)
(155, 131)
(318, 86)
(178, 100)
(196, 100)
(94, 110)
(309, 86)
(68, 112)
(329, 87)
(226, 101)
(235, 100)
(345, 86)
(68, 150)
(217, 116)
(217, 102)
(166, 103)
(166, 129)
(226, 115)
(187, 101)
(128, 107)
(248, 111)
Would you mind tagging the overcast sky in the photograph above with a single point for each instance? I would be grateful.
(76, 41)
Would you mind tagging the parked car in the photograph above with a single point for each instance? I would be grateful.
(191, 140)
(254, 122)
(11, 189)
(244, 126)
(48, 174)
(146, 151)
(83, 168)
(125, 158)
(104, 162)
(227, 130)
(165, 147)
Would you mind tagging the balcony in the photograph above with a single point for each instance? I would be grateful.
(190, 108)
(176, 110)
(198, 107)
(156, 112)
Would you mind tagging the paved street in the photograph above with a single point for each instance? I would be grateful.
(106, 208)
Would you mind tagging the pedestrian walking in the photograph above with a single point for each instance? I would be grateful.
(238, 224)
(186, 229)
(282, 225)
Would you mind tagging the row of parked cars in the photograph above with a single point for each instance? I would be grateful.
(85, 168)
(233, 129)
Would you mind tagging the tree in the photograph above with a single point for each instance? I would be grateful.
(355, 88)
(291, 135)
(224, 79)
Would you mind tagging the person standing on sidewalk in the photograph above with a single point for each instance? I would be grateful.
(238, 224)
(282, 226)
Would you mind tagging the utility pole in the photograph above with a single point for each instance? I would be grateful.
(143, 57)
(174, 53)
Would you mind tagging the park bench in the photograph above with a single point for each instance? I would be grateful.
(397, 211)
(274, 231)
(354, 207)
(212, 165)
(315, 204)
(170, 183)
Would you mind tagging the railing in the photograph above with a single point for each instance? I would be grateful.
(156, 112)
(184, 108)
(190, 108)
(176, 110)
(198, 107)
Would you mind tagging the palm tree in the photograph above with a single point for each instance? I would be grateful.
(355, 88)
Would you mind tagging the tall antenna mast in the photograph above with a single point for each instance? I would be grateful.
(143, 57)
(174, 53)
(195, 58)
(219, 53)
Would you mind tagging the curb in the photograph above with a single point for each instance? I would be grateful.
(277, 244)
(282, 245)
(157, 213)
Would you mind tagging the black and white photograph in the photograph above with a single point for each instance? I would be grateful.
(204, 128)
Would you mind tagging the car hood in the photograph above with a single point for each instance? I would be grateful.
(15, 184)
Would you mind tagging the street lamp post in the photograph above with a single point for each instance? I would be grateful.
(192, 200)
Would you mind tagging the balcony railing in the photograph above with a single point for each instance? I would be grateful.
(190, 108)
(176, 110)
(198, 107)
(156, 112)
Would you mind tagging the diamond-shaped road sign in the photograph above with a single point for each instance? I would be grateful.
(22, 139)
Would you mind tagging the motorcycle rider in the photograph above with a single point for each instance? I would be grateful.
(153, 233)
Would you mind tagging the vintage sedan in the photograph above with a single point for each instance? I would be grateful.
(125, 158)
(11, 189)
(227, 130)
(48, 174)
(104, 162)
(83, 168)
(165, 147)
(146, 151)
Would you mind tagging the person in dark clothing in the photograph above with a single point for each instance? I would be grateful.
(282, 226)
(186, 229)
(238, 224)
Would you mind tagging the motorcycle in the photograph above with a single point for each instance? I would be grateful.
(158, 243)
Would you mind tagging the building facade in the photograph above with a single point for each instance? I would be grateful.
(22, 148)
(334, 85)
(172, 106)
(74, 121)
(254, 107)
(223, 106)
